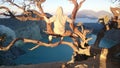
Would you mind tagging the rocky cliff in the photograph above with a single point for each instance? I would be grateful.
(13, 29)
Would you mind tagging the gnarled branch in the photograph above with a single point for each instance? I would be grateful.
(8, 10)
(39, 43)
(27, 14)
(12, 3)
(76, 8)
(38, 3)
(10, 45)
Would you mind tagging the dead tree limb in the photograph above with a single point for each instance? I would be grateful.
(39, 43)
(8, 10)
(38, 15)
(27, 14)
(10, 45)
(14, 4)
(76, 8)
(38, 3)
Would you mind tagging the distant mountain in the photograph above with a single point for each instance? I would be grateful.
(101, 13)
(92, 14)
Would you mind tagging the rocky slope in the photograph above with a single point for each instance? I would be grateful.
(13, 29)
(28, 29)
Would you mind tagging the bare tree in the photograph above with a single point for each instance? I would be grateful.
(29, 14)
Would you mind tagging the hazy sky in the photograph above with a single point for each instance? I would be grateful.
(96, 5)
(50, 6)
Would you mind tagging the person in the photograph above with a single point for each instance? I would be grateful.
(59, 20)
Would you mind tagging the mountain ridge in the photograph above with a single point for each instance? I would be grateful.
(92, 14)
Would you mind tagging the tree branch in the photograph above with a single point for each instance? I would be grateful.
(15, 5)
(38, 3)
(39, 43)
(25, 18)
(76, 8)
(10, 45)
(76, 34)
(27, 15)
(80, 4)
(8, 10)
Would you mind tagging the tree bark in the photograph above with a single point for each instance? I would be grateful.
(39, 43)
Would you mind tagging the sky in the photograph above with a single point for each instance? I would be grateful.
(50, 6)
(95, 5)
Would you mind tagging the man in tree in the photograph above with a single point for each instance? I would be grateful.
(59, 20)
